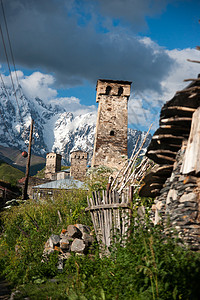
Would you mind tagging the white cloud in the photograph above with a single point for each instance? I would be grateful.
(38, 85)
(73, 105)
(144, 107)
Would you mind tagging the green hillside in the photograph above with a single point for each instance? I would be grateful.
(9, 173)
(13, 156)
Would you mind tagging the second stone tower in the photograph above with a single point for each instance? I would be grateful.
(110, 147)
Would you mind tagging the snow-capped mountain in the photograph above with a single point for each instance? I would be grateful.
(55, 129)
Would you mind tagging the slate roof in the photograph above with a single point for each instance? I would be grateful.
(66, 184)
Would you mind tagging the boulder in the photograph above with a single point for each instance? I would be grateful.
(73, 232)
(64, 243)
(78, 246)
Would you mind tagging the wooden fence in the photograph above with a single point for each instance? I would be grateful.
(110, 214)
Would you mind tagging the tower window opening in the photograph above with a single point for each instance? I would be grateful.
(112, 133)
(120, 91)
(108, 90)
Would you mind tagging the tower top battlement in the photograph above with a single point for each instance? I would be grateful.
(113, 88)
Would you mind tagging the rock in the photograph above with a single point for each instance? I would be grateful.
(172, 195)
(64, 243)
(48, 247)
(74, 232)
(188, 197)
(55, 239)
(78, 246)
(60, 264)
(83, 228)
(88, 239)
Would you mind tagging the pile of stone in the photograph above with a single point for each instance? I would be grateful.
(178, 204)
(75, 239)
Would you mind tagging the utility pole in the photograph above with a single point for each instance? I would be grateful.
(24, 195)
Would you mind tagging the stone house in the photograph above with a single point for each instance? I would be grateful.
(54, 188)
(174, 182)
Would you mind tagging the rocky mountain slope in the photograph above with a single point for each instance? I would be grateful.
(55, 129)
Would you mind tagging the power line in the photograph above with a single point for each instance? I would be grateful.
(6, 54)
(10, 46)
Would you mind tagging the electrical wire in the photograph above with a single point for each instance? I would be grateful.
(6, 54)
(10, 46)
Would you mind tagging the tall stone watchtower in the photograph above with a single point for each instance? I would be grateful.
(53, 164)
(78, 164)
(110, 147)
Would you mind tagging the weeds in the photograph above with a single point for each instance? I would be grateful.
(148, 266)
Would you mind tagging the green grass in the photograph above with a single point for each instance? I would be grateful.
(9, 173)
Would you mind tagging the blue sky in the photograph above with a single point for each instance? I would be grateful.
(61, 48)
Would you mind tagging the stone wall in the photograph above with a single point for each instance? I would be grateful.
(179, 204)
(110, 147)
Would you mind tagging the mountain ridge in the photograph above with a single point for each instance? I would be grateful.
(55, 129)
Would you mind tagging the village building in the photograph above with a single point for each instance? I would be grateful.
(78, 167)
(55, 188)
(110, 146)
(174, 182)
(53, 165)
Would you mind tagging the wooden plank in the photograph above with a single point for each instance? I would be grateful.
(191, 161)
(167, 136)
(181, 108)
(176, 119)
(167, 158)
(193, 61)
(163, 151)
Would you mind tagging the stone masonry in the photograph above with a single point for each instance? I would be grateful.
(53, 164)
(178, 204)
(78, 164)
(110, 147)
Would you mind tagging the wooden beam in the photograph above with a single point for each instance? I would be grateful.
(192, 79)
(175, 127)
(167, 136)
(189, 89)
(194, 61)
(176, 119)
(162, 151)
(24, 195)
(181, 108)
(164, 157)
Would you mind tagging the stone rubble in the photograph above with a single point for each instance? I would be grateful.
(76, 238)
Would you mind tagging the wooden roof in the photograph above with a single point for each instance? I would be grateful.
(174, 127)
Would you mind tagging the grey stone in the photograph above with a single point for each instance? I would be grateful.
(60, 264)
(64, 243)
(188, 204)
(55, 239)
(188, 197)
(73, 232)
(83, 228)
(88, 239)
(78, 246)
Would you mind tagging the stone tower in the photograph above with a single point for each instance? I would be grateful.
(53, 164)
(78, 164)
(110, 147)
